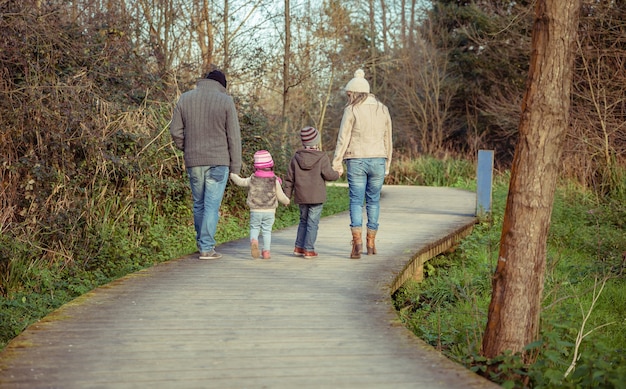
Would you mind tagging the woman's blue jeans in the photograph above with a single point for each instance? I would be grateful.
(207, 189)
(310, 215)
(365, 181)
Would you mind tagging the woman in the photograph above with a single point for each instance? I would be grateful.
(365, 144)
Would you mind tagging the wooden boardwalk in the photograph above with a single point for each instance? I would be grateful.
(238, 323)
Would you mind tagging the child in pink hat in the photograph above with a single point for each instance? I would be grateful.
(264, 194)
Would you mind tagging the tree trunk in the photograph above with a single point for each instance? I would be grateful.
(518, 281)
(383, 16)
(204, 31)
(412, 26)
(403, 32)
(225, 19)
(373, 82)
(286, 75)
(286, 59)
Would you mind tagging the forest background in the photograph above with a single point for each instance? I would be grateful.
(92, 187)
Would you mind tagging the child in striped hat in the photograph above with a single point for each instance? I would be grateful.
(264, 194)
(306, 180)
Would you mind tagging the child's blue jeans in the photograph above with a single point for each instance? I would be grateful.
(310, 215)
(262, 222)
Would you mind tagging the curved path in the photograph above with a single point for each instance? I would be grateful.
(238, 323)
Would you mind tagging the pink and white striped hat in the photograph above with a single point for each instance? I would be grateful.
(263, 159)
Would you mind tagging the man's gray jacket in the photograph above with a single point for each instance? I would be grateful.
(206, 127)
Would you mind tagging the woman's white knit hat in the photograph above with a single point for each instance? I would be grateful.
(358, 83)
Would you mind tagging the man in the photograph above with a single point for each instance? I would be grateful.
(206, 128)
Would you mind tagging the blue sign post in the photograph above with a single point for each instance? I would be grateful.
(484, 180)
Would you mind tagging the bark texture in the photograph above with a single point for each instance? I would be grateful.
(518, 281)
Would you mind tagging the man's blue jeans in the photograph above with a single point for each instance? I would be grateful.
(207, 188)
(365, 181)
(310, 215)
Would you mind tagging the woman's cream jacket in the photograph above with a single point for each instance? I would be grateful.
(365, 132)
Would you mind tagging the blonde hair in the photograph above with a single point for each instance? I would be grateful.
(356, 98)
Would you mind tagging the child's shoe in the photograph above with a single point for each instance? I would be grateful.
(254, 248)
(310, 254)
(298, 251)
(266, 254)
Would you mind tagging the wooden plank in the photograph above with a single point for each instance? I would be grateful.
(238, 323)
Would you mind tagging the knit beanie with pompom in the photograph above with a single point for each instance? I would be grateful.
(358, 83)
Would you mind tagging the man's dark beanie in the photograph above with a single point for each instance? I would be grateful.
(217, 76)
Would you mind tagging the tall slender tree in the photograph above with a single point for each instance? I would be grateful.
(286, 60)
(518, 281)
(203, 30)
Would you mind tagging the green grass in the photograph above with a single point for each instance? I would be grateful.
(585, 245)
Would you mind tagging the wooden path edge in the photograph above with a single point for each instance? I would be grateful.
(414, 268)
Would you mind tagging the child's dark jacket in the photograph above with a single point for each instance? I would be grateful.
(308, 172)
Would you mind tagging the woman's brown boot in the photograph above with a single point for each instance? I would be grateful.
(371, 245)
(357, 243)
